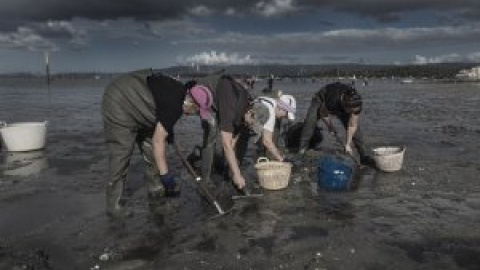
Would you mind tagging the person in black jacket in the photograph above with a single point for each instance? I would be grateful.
(343, 101)
(140, 107)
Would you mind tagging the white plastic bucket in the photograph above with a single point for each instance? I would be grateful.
(389, 158)
(24, 136)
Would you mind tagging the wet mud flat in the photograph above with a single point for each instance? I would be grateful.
(425, 216)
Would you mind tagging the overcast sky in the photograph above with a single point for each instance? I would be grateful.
(122, 35)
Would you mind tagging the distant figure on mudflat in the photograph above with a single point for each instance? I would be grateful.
(271, 78)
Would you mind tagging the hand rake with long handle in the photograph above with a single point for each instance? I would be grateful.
(198, 181)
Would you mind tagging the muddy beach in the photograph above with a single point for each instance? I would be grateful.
(425, 216)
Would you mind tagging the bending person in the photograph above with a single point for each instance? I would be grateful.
(200, 99)
(237, 117)
(141, 107)
(280, 108)
(342, 101)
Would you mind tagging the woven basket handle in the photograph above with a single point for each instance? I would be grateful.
(262, 159)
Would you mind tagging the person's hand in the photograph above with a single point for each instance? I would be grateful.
(302, 151)
(348, 149)
(239, 181)
(172, 188)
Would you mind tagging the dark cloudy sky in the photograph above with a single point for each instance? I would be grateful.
(121, 35)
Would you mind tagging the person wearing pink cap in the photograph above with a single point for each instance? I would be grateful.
(280, 108)
(200, 100)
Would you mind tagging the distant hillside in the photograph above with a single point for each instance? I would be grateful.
(437, 71)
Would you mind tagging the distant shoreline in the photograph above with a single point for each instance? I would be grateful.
(40, 82)
(431, 71)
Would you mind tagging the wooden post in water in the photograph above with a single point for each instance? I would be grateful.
(48, 80)
(47, 67)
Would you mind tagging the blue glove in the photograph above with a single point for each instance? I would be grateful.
(172, 188)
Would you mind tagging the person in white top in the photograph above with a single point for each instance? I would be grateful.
(279, 108)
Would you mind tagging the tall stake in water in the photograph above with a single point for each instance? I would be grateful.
(47, 75)
(47, 67)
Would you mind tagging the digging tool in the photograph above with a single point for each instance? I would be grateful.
(199, 182)
(247, 195)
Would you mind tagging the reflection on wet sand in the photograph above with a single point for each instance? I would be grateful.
(25, 163)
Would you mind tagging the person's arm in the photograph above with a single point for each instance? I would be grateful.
(351, 129)
(228, 142)
(159, 141)
(267, 140)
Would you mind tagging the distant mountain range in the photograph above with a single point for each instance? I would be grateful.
(438, 71)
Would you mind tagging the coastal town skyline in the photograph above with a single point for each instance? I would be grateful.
(117, 36)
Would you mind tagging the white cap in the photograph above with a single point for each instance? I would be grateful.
(289, 104)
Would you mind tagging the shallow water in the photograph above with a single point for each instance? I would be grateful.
(422, 217)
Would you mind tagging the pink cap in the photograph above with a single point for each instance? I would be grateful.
(203, 98)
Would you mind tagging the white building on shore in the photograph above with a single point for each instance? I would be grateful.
(472, 74)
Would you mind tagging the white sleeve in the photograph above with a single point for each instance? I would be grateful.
(270, 124)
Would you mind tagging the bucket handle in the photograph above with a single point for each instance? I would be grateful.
(3, 124)
(262, 159)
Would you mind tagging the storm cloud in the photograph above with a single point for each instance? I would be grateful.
(147, 32)
(18, 12)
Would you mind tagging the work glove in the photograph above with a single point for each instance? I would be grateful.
(302, 151)
(172, 188)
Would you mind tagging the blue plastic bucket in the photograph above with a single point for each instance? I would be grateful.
(334, 174)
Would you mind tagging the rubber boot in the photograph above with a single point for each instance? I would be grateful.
(155, 190)
(208, 154)
(115, 205)
(365, 159)
(210, 134)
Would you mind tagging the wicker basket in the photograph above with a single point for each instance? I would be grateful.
(389, 158)
(273, 175)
